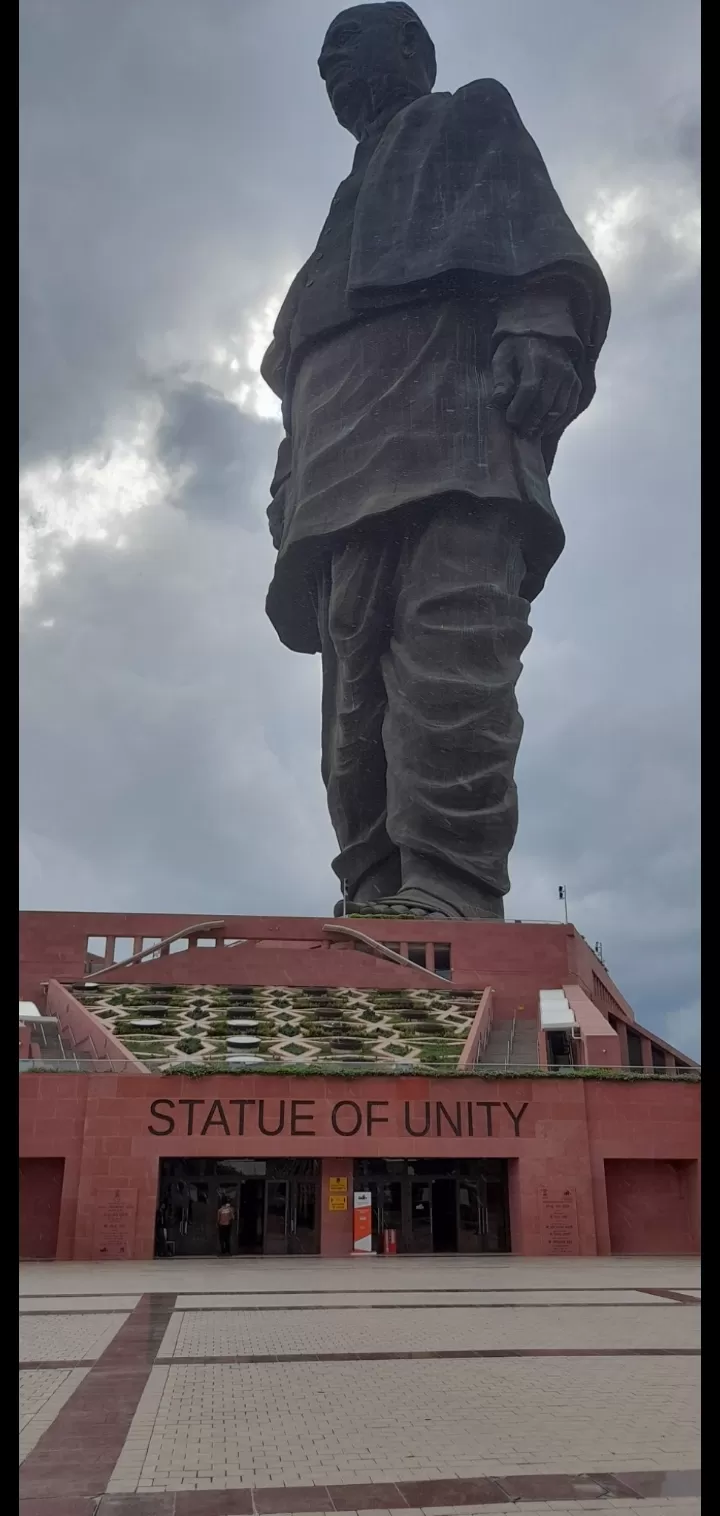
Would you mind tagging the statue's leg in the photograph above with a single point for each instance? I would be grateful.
(355, 618)
(453, 728)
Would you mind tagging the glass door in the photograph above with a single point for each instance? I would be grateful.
(421, 1240)
(496, 1234)
(292, 1216)
(251, 1215)
(277, 1216)
(226, 1194)
(469, 1217)
(304, 1217)
(190, 1218)
(444, 1215)
(389, 1208)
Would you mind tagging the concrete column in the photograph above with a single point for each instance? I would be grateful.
(336, 1234)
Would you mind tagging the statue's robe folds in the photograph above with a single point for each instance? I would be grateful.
(446, 237)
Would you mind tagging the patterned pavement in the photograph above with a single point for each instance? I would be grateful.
(257, 1387)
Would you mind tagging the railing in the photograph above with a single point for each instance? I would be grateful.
(72, 1065)
(511, 1040)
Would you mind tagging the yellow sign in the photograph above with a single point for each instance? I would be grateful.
(338, 1187)
(338, 1202)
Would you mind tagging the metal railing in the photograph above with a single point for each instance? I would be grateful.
(72, 1065)
(511, 1039)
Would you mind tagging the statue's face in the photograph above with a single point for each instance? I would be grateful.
(368, 53)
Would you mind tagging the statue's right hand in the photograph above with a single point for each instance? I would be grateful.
(275, 521)
(535, 384)
(276, 509)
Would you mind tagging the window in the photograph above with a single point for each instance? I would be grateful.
(635, 1050)
(124, 948)
(658, 1056)
(442, 959)
(417, 952)
(602, 998)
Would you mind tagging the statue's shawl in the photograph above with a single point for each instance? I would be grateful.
(457, 186)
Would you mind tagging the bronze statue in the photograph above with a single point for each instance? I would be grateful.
(428, 356)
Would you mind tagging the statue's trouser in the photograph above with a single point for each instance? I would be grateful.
(422, 627)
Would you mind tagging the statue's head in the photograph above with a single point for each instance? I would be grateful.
(375, 57)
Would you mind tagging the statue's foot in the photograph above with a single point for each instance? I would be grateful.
(408, 905)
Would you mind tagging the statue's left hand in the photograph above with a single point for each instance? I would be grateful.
(535, 384)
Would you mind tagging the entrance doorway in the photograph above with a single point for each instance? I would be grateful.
(438, 1207)
(444, 1216)
(276, 1204)
(41, 1182)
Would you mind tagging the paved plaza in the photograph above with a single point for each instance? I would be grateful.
(252, 1387)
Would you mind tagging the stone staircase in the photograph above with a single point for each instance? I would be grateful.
(51, 1045)
(522, 1054)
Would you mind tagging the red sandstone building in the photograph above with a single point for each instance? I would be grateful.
(486, 1084)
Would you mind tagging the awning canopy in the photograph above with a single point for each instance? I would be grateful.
(555, 1013)
(30, 1013)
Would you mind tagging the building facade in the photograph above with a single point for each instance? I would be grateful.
(482, 1087)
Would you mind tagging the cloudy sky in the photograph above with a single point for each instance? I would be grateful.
(177, 162)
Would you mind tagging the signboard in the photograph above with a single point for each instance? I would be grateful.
(114, 1224)
(338, 1186)
(362, 1221)
(337, 1202)
(558, 1222)
(390, 1121)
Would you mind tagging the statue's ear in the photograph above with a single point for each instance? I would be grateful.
(409, 38)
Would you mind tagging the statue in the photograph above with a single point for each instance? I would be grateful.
(429, 356)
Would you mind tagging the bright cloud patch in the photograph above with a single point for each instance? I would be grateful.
(239, 359)
(84, 500)
(621, 224)
(87, 499)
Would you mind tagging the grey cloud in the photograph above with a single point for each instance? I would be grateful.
(171, 771)
(218, 458)
(689, 139)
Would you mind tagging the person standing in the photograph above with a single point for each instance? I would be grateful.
(225, 1219)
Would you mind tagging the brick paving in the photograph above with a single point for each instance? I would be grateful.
(143, 1420)
(232, 1333)
(43, 1393)
(74, 1336)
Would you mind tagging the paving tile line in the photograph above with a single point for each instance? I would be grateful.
(241, 1262)
(676, 1295)
(437, 1497)
(445, 1305)
(95, 1310)
(76, 1455)
(237, 1304)
(380, 1356)
(57, 1363)
(201, 1360)
(458, 1289)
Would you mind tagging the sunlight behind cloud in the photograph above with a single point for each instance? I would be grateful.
(242, 354)
(86, 499)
